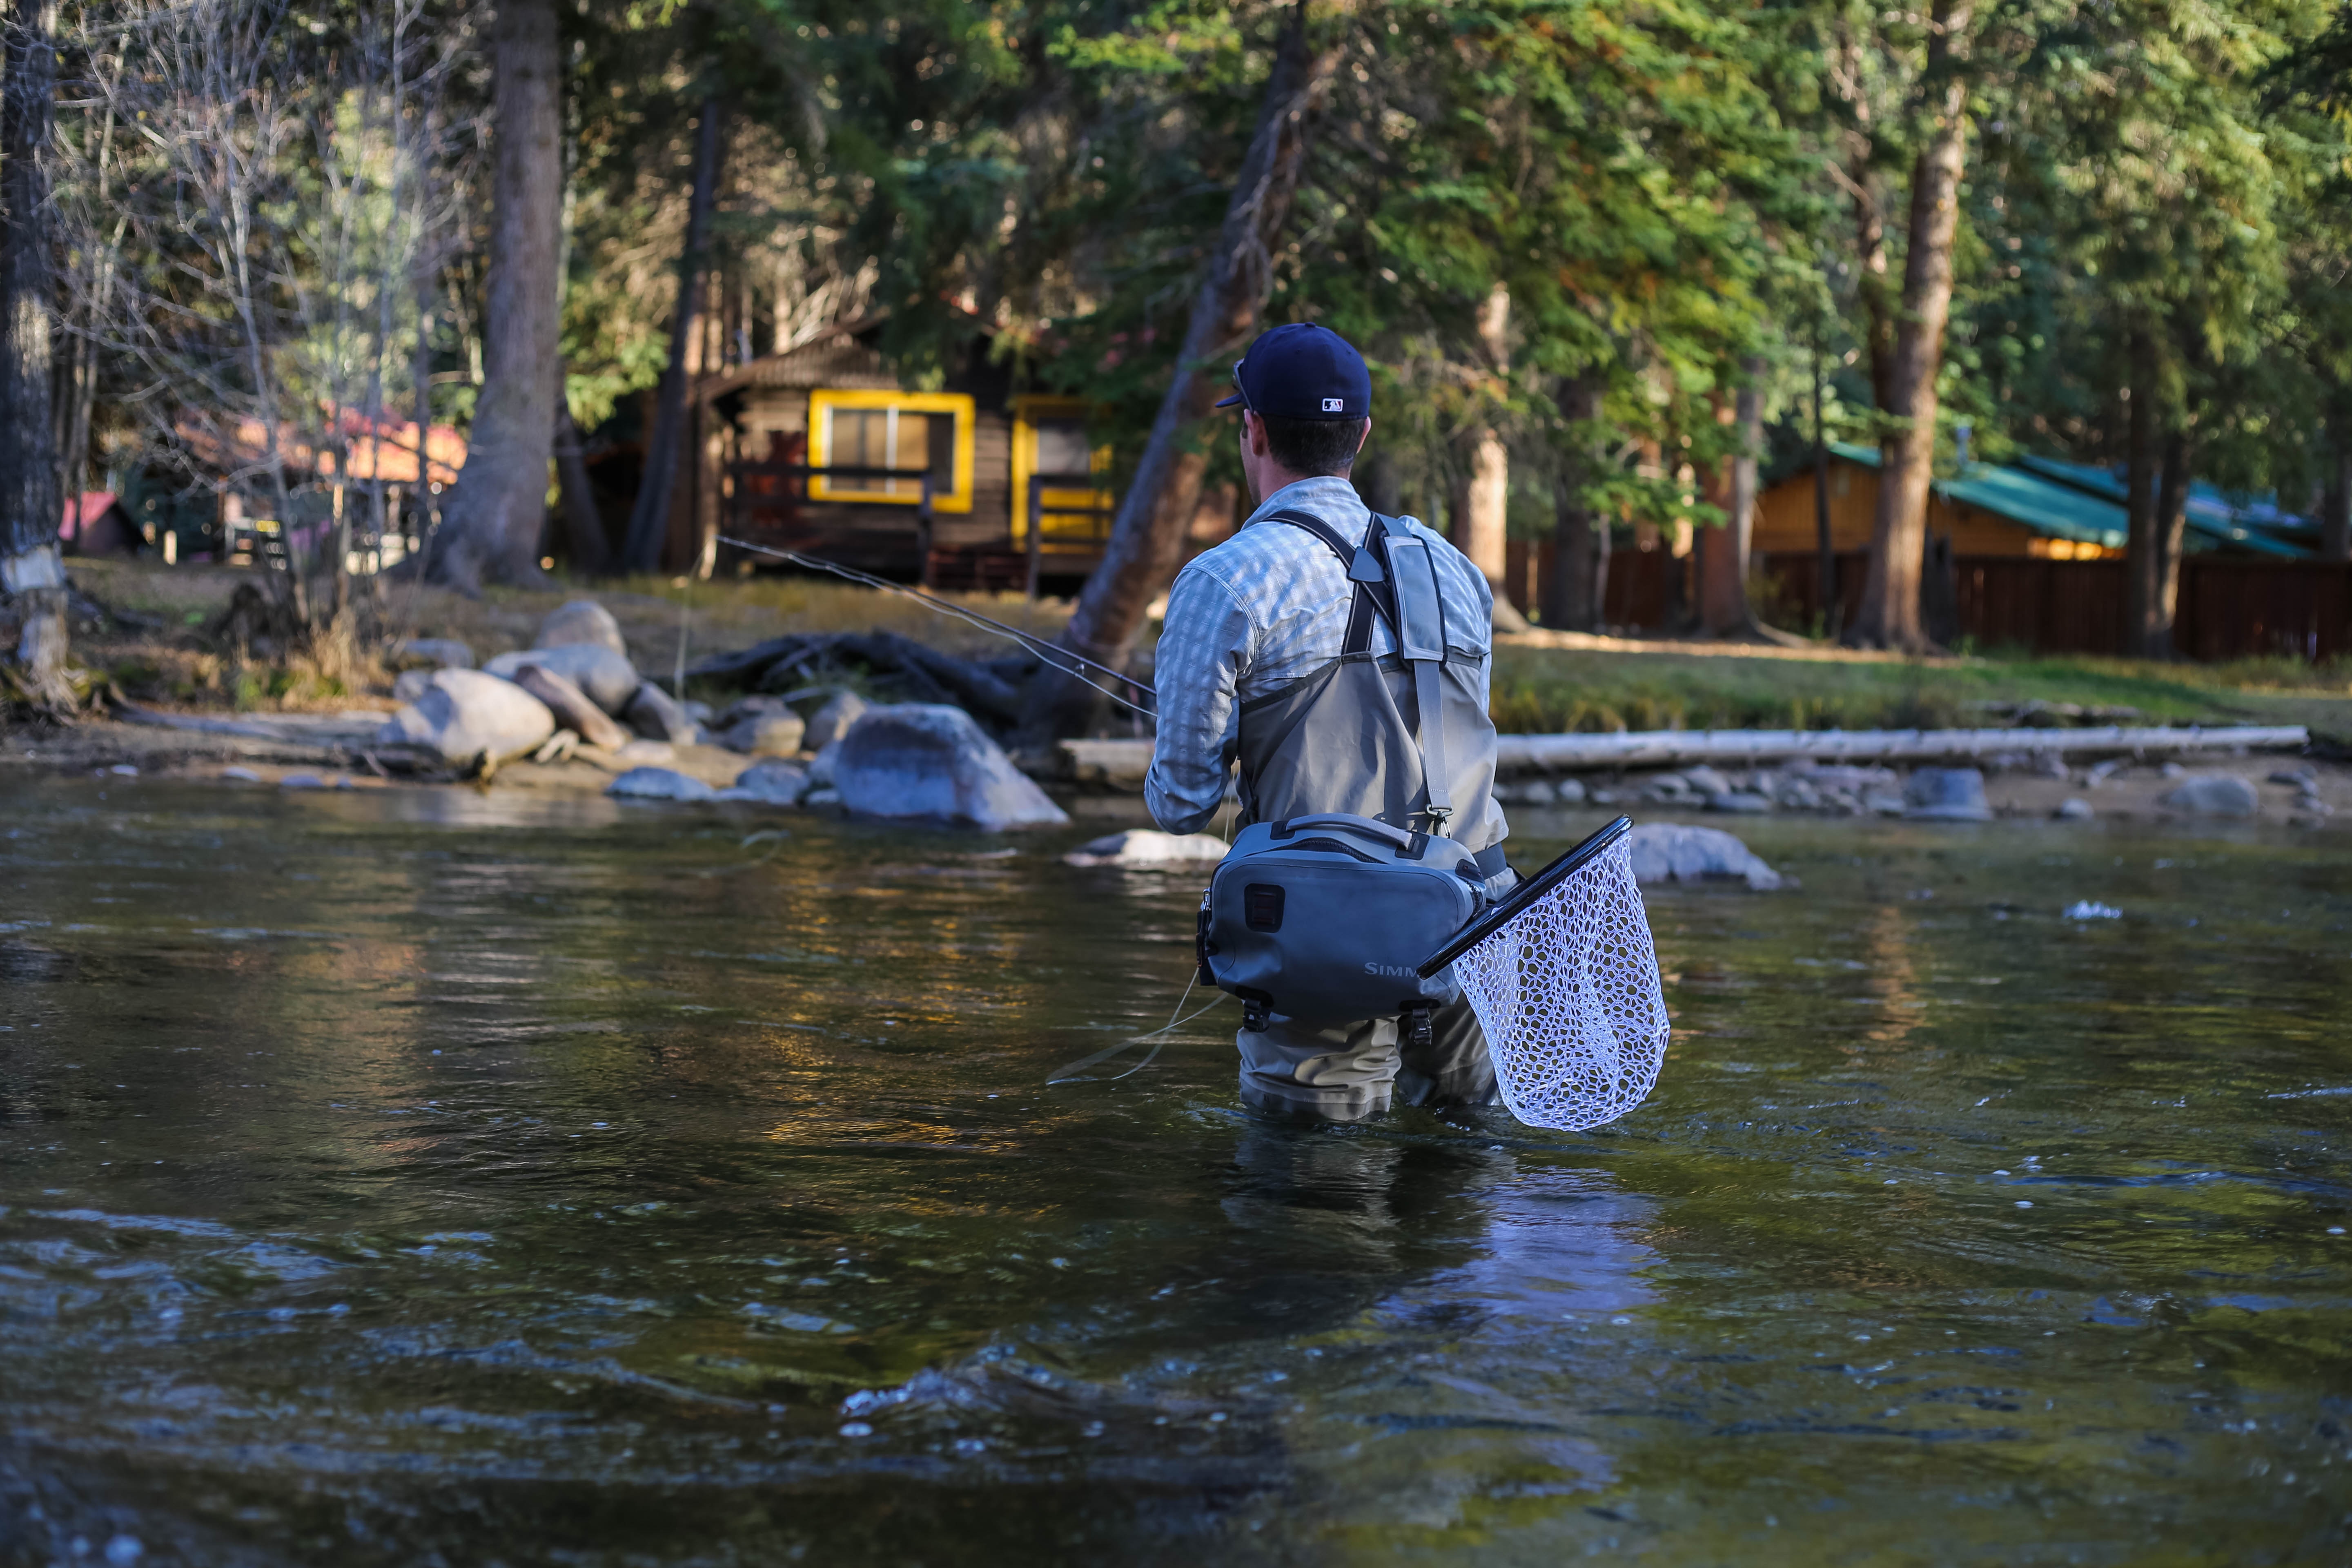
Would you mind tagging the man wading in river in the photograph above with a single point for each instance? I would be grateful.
(1264, 663)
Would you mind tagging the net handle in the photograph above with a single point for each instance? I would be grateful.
(1526, 893)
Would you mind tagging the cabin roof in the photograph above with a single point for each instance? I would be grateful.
(2058, 499)
(828, 362)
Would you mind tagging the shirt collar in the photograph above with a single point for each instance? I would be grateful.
(1326, 496)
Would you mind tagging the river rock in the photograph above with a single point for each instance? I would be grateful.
(658, 716)
(436, 653)
(608, 677)
(919, 759)
(411, 684)
(1706, 780)
(772, 783)
(1667, 850)
(1569, 792)
(1539, 791)
(659, 784)
(776, 734)
(833, 720)
(1946, 795)
(1744, 803)
(2212, 794)
(571, 708)
(642, 752)
(2073, 809)
(582, 621)
(1141, 848)
(463, 714)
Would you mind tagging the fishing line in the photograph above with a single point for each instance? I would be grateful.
(1047, 652)
(1070, 1074)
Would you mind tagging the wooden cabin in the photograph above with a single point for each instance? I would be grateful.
(1993, 510)
(825, 449)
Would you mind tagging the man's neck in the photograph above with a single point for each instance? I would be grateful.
(1281, 479)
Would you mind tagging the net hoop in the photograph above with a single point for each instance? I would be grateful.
(1568, 994)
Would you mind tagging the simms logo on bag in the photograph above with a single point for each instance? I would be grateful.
(1335, 405)
(1392, 970)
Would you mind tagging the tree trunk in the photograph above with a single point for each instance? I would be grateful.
(583, 526)
(1572, 594)
(30, 507)
(1824, 544)
(2336, 506)
(2139, 497)
(2169, 534)
(649, 520)
(1482, 501)
(1140, 557)
(1889, 617)
(492, 527)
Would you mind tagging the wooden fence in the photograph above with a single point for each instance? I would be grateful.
(2230, 608)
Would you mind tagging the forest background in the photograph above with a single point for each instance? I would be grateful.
(1605, 256)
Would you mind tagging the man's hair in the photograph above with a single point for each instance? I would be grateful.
(1312, 446)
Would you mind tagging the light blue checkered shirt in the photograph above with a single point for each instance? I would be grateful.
(1266, 607)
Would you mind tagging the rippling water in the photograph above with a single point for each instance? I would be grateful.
(439, 1177)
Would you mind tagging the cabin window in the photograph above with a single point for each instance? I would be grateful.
(910, 434)
(1054, 462)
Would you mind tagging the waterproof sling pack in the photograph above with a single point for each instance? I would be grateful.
(1324, 918)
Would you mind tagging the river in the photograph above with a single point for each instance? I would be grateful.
(437, 1176)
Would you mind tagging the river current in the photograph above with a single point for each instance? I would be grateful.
(416, 1176)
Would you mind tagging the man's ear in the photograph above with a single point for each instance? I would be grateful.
(1252, 433)
(1367, 433)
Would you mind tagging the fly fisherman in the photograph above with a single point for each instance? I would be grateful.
(1253, 671)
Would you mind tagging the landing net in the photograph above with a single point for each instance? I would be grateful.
(1567, 991)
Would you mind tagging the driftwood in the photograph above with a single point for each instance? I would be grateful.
(987, 687)
(572, 708)
(1121, 765)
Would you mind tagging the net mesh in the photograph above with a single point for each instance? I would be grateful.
(1569, 994)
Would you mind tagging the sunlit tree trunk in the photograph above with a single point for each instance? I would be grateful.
(1482, 501)
(492, 527)
(30, 506)
(2170, 535)
(1889, 615)
(2141, 552)
(664, 452)
(1140, 557)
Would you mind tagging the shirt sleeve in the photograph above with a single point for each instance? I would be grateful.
(1205, 643)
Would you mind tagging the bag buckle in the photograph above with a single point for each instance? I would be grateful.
(1417, 1026)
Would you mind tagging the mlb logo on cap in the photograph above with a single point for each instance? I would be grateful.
(1303, 371)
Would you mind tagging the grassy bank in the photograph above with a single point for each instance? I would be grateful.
(1551, 691)
(1538, 690)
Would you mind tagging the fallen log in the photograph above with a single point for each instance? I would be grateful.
(1121, 765)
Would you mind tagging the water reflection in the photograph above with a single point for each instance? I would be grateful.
(410, 1172)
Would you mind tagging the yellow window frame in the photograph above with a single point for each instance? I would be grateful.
(1028, 410)
(823, 401)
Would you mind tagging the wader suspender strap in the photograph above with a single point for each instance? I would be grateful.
(1403, 592)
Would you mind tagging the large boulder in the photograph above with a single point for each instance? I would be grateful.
(582, 621)
(1946, 795)
(1143, 849)
(2212, 794)
(572, 707)
(833, 720)
(1667, 851)
(463, 714)
(926, 760)
(608, 677)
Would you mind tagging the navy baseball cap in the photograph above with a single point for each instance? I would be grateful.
(1303, 371)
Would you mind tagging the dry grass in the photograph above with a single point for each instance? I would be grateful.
(180, 663)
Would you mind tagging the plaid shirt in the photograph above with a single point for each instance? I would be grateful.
(1267, 608)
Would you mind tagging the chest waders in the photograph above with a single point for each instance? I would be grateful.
(1370, 831)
